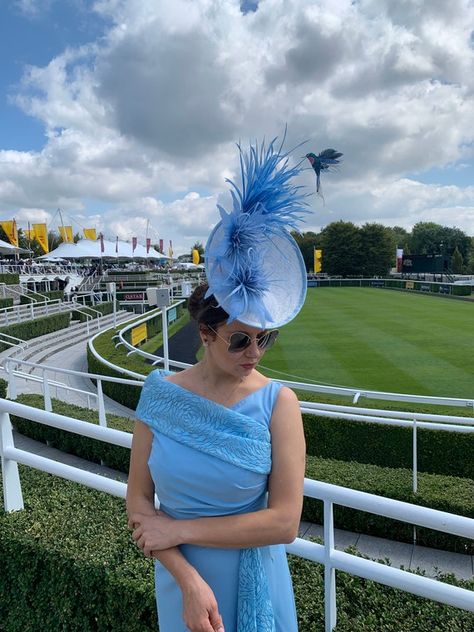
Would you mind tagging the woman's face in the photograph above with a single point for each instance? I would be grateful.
(237, 363)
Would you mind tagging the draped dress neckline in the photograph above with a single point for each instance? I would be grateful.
(207, 399)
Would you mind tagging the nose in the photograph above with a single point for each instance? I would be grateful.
(253, 350)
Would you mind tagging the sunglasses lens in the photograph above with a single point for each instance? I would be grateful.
(267, 340)
(239, 341)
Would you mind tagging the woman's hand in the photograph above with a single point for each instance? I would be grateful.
(200, 609)
(153, 533)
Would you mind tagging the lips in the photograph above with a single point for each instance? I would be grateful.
(247, 366)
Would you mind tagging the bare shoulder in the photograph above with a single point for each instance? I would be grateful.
(286, 397)
(182, 378)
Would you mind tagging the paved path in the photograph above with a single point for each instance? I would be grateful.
(184, 345)
(407, 555)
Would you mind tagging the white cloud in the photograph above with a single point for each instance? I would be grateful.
(150, 112)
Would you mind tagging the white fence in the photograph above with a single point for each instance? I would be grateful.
(330, 494)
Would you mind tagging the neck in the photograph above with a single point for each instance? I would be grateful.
(215, 378)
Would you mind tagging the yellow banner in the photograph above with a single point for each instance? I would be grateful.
(41, 236)
(90, 233)
(66, 234)
(196, 257)
(29, 233)
(10, 231)
(139, 334)
(318, 256)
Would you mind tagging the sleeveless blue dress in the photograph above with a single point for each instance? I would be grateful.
(190, 484)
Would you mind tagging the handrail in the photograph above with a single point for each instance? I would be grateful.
(331, 495)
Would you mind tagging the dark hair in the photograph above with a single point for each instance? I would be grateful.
(205, 311)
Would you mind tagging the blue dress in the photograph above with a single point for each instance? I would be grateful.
(190, 484)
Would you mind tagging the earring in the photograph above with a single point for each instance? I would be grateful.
(204, 343)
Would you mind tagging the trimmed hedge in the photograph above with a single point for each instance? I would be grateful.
(29, 329)
(103, 308)
(445, 493)
(6, 302)
(451, 494)
(124, 394)
(33, 297)
(10, 278)
(439, 452)
(68, 563)
(113, 456)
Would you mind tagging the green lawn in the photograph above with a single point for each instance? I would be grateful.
(379, 339)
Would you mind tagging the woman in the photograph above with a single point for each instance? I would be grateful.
(234, 497)
(220, 444)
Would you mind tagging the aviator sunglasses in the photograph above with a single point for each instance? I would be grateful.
(239, 340)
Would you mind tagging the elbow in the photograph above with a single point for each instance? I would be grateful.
(288, 531)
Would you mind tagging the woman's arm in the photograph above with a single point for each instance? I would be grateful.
(277, 523)
(200, 610)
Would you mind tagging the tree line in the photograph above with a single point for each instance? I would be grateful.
(370, 250)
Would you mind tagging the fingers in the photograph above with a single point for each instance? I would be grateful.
(215, 620)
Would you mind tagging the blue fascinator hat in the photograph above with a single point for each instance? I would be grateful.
(254, 267)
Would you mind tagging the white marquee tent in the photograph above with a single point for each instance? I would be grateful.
(88, 249)
(9, 249)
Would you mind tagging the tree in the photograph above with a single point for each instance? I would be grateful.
(341, 246)
(457, 262)
(377, 250)
(430, 238)
(307, 242)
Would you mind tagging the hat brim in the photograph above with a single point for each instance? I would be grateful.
(283, 269)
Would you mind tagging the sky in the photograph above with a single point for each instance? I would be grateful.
(126, 113)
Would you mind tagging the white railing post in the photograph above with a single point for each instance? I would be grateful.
(330, 612)
(12, 496)
(11, 388)
(101, 405)
(164, 331)
(32, 311)
(46, 393)
(415, 458)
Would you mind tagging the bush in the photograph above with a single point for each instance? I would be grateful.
(5, 302)
(103, 308)
(29, 329)
(445, 493)
(10, 278)
(124, 394)
(439, 452)
(3, 388)
(113, 456)
(68, 563)
(40, 297)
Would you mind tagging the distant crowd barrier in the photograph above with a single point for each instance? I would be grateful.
(431, 287)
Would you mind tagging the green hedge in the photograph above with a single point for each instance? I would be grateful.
(68, 563)
(446, 493)
(439, 452)
(5, 302)
(34, 297)
(29, 329)
(451, 494)
(124, 394)
(113, 456)
(3, 388)
(418, 286)
(10, 279)
(103, 308)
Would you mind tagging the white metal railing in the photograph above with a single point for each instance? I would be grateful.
(331, 495)
(29, 311)
(48, 383)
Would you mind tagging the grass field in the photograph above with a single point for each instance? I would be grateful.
(379, 339)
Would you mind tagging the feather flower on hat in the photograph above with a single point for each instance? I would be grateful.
(244, 244)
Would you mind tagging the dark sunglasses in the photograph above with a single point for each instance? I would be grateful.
(239, 340)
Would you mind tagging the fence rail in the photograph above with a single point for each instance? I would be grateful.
(331, 495)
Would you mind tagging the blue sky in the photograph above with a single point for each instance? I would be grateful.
(126, 112)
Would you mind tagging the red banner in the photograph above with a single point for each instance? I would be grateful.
(162, 245)
(134, 243)
(148, 244)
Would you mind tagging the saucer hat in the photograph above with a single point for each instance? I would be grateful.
(254, 267)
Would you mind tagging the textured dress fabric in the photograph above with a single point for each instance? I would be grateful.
(252, 586)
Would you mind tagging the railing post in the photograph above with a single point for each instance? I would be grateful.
(32, 311)
(330, 611)
(101, 405)
(415, 458)
(46, 393)
(10, 369)
(12, 496)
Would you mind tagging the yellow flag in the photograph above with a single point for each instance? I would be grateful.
(41, 236)
(318, 255)
(11, 231)
(66, 234)
(196, 257)
(90, 233)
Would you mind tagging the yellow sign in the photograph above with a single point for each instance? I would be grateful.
(410, 285)
(318, 255)
(139, 334)
(41, 236)
(196, 257)
(10, 231)
(66, 234)
(90, 233)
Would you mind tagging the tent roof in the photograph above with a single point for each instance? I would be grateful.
(89, 249)
(9, 249)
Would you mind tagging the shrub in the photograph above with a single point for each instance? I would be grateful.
(29, 329)
(10, 278)
(33, 297)
(6, 302)
(103, 308)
